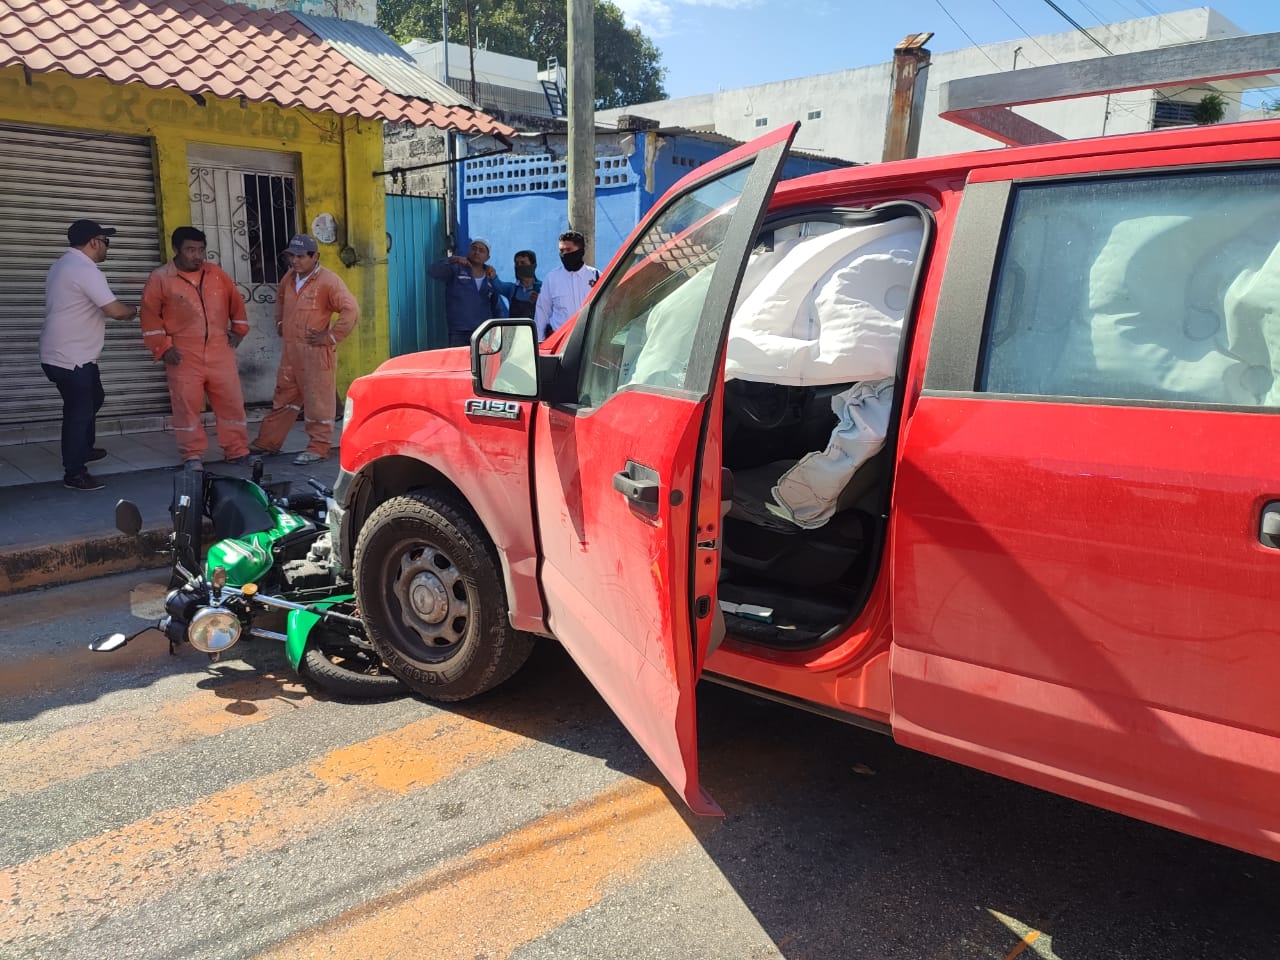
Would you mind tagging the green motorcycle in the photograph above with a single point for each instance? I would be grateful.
(270, 552)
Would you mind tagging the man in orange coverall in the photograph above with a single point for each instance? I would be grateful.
(308, 297)
(193, 318)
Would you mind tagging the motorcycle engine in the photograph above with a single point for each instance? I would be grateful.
(313, 570)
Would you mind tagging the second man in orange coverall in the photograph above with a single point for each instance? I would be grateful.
(193, 318)
(306, 302)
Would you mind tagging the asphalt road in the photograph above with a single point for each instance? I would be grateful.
(167, 807)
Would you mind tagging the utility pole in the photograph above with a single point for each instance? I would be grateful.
(582, 122)
(450, 148)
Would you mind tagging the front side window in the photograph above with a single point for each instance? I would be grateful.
(642, 326)
(1159, 288)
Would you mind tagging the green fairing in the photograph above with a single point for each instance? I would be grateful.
(299, 625)
(247, 558)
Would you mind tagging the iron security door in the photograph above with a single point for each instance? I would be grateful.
(245, 201)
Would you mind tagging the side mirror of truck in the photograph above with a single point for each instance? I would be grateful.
(128, 518)
(504, 359)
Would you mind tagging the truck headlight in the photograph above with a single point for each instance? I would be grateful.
(213, 630)
(348, 410)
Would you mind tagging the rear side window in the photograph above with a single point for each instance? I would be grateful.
(1157, 288)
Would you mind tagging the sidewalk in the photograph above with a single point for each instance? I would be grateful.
(51, 535)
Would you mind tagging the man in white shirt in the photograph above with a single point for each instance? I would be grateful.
(77, 304)
(566, 287)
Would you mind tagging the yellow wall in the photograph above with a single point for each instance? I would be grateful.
(321, 141)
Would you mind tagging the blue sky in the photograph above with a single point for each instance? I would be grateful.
(711, 44)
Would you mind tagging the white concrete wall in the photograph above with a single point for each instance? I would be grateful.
(855, 103)
(362, 11)
(495, 68)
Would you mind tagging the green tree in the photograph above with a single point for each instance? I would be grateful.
(628, 66)
(1210, 109)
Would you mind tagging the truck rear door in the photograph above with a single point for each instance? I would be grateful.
(1086, 520)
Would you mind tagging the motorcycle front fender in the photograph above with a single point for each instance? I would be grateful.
(299, 624)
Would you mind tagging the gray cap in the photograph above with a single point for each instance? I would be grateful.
(301, 243)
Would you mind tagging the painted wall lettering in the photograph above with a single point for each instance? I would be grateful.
(40, 95)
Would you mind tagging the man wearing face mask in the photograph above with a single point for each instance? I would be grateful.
(566, 287)
(522, 296)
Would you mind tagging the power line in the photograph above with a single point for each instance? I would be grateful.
(1024, 30)
(979, 46)
(1067, 17)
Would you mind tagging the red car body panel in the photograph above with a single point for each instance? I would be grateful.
(398, 418)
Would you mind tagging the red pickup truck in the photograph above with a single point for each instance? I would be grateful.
(973, 450)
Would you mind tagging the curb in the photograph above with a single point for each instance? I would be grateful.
(50, 565)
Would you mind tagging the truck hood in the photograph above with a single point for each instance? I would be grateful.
(450, 359)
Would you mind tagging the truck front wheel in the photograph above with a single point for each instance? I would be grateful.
(430, 592)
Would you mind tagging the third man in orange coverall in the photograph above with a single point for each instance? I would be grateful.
(306, 302)
(193, 318)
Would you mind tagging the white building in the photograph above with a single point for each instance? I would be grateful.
(361, 11)
(507, 86)
(843, 114)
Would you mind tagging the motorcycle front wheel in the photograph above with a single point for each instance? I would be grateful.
(343, 665)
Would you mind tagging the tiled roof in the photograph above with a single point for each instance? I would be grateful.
(209, 47)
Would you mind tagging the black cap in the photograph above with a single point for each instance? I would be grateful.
(82, 231)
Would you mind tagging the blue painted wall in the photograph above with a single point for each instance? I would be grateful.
(520, 202)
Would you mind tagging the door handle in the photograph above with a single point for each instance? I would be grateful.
(1269, 526)
(640, 485)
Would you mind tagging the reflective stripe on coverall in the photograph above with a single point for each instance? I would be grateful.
(307, 379)
(195, 317)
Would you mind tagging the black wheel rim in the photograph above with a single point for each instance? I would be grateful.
(430, 598)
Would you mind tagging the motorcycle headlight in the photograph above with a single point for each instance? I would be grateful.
(213, 630)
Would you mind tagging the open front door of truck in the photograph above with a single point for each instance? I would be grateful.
(627, 458)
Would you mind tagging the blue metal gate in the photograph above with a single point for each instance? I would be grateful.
(417, 229)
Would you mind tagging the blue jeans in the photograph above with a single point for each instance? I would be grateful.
(82, 397)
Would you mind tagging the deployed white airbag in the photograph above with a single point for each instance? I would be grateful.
(825, 309)
(820, 310)
(807, 493)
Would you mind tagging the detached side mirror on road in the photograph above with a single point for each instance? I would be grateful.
(128, 518)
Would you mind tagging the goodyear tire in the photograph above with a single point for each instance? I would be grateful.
(430, 592)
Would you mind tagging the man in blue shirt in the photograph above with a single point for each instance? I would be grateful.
(471, 293)
(522, 295)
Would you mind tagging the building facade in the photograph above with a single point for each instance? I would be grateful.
(843, 114)
(286, 137)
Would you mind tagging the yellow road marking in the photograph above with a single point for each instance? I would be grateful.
(87, 748)
(1027, 941)
(87, 881)
(534, 879)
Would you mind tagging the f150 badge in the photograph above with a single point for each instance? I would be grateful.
(501, 409)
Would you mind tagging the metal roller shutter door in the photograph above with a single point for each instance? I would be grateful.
(48, 178)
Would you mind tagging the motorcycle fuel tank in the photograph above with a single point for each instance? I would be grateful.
(246, 559)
